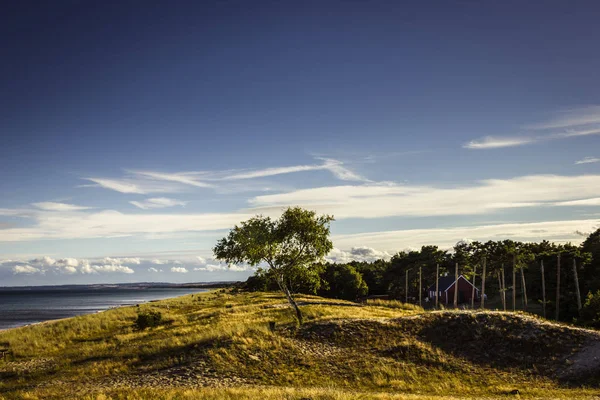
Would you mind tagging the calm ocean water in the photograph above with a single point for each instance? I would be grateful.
(22, 307)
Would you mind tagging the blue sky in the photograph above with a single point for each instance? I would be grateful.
(134, 136)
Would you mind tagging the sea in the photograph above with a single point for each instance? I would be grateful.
(19, 307)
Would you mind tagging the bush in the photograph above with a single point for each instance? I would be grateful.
(590, 313)
(147, 319)
(342, 281)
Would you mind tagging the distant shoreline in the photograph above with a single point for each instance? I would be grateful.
(125, 303)
(140, 285)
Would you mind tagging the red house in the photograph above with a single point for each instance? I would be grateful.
(447, 285)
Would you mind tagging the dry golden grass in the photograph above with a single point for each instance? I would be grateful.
(218, 345)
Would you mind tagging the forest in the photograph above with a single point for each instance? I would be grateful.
(557, 281)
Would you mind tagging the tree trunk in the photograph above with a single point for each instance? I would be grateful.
(291, 300)
(557, 286)
(437, 284)
(514, 283)
(456, 286)
(524, 291)
(420, 287)
(500, 286)
(483, 285)
(473, 288)
(543, 288)
(503, 288)
(406, 288)
(577, 293)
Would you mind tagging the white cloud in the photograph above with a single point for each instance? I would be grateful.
(145, 182)
(334, 166)
(571, 117)
(152, 269)
(491, 142)
(52, 206)
(224, 267)
(112, 268)
(588, 160)
(25, 269)
(261, 173)
(482, 197)
(109, 223)
(392, 241)
(574, 133)
(158, 202)
(339, 171)
(214, 265)
(180, 270)
(69, 266)
(185, 178)
(567, 124)
(582, 202)
(121, 186)
(122, 260)
(360, 253)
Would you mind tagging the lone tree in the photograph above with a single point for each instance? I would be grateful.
(298, 239)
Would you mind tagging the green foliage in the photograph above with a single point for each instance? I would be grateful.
(289, 247)
(342, 281)
(148, 319)
(590, 313)
(298, 238)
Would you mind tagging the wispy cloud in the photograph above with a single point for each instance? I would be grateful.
(179, 270)
(570, 117)
(392, 241)
(588, 160)
(567, 124)
(158, 202)
(110, 223)
(481, 197)
(52, 206)
(133, 186)
(146, 182)
(366, 200)
(182, 177)
(492, 142)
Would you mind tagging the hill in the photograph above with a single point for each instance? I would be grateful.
(222, 344)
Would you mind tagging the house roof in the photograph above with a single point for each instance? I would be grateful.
(446, 282)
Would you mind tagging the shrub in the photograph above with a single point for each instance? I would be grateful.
(590, 313)
(147, 319)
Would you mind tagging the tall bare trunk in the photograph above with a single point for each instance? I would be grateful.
(514, 283)
(437, 284)
(503, 288)
(577, 293)
(456, 286)
(483, 285)
(406, 288)
(524, 291)
(420, 287)
(557, 287)
(291, 300)
(473, 288)
(543, 288)
(500, 289)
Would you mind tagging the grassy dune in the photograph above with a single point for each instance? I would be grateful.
(218, 345)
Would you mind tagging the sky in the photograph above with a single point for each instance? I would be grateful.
(135, 134)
